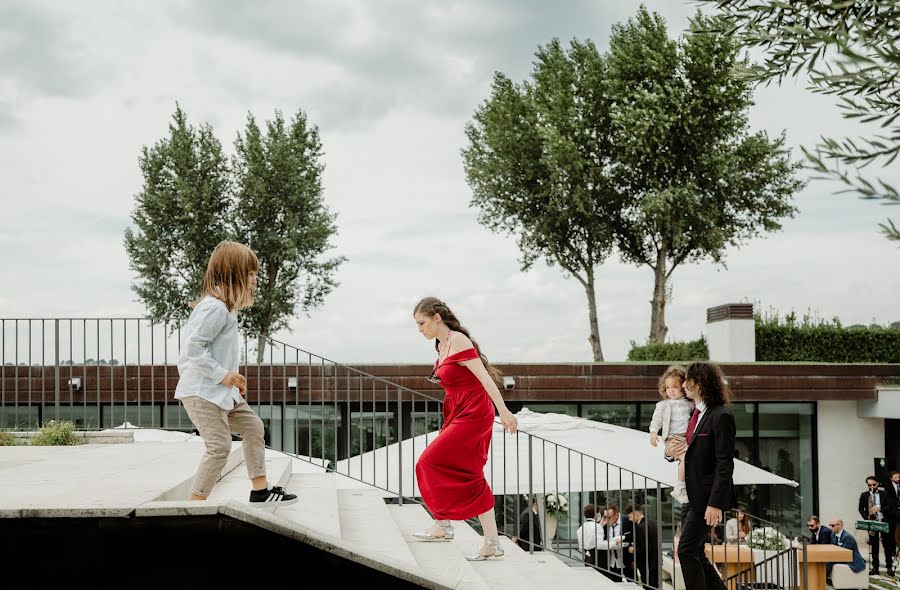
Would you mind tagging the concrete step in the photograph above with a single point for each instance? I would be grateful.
(235, 485)
(591, 578)
(317, 508)
(441, 561)
(518, 569)
(366, 522)
(182, 491)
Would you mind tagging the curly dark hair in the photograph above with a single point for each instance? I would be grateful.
(714, 389)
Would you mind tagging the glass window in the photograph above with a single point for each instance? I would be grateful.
(19, 417)
(114, 415)
(617, 414)
(311, 430)
(373, 430)
(84, 417)
(785, 448)
(176, 418)
(425, 422)
(272, 424)
(745, 447)
(542, 408)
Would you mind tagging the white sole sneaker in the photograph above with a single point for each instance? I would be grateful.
(272, 505)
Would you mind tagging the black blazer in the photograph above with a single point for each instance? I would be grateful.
(824, 536)
(524, 524)
(891, 508)
(709, 461)
(646, 532)
(888, 505)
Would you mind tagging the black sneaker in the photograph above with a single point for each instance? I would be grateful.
(272, 498)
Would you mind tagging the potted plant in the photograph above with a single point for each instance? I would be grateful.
(555, 504)
(770, 554)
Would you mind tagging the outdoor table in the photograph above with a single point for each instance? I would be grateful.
(732, 560)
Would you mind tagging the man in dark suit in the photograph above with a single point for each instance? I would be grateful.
(842, 538)
(645, 549)
(892, 511)
(874, 504)
(818, 534)
(709, 466)
(530, 528)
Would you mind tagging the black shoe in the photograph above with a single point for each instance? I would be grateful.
(272, 497)
(873, 572)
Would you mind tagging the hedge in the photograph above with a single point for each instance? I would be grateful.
(787, 339)
(695, 350)
(813, 340)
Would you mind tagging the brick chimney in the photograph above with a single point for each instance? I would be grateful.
(731, 333)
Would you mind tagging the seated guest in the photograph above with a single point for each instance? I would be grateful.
(842, 538)
(737, 529)
(818, 534)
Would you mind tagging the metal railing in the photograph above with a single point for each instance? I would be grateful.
(752, 553)
(105, 372)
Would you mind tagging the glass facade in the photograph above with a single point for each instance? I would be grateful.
(778, 437)
(785, 447)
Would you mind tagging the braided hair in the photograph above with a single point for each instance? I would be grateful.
(432, 305)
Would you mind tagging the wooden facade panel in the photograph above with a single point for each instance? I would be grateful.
(548, 383)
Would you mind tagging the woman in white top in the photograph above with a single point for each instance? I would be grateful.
(737, 529)
(209, 385)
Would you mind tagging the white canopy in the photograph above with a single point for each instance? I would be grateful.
(568, 454)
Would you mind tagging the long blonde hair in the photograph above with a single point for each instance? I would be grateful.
(675, 371)
(227, 275)
(432, 305)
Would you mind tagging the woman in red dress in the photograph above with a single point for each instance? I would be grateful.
(450, 471)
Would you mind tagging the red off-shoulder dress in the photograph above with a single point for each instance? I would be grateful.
(450, 470)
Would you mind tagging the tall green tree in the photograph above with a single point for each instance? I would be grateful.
(269, 198)
(183, 210)
(848, 49)
(282, 216)
(695, 179)
(537, 160)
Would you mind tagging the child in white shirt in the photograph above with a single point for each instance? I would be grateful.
(672, 415)
(209, 385)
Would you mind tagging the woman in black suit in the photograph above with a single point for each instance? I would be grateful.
(708, 465)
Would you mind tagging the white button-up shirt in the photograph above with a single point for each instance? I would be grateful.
(588, 535)
(209, 351)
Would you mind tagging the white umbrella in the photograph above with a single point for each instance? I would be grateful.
(568, 454)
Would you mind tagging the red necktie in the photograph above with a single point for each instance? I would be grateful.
(692, 424)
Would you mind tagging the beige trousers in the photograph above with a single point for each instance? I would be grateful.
(215, 426)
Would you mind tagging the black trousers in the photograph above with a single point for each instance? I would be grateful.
(650, 578)
(699, 573)
(885, 540)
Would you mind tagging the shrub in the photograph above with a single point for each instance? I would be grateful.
(55, 433)
(695, 350)
(7, 439)
(813, 339)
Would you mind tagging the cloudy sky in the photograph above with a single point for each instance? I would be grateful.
(391, 84)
